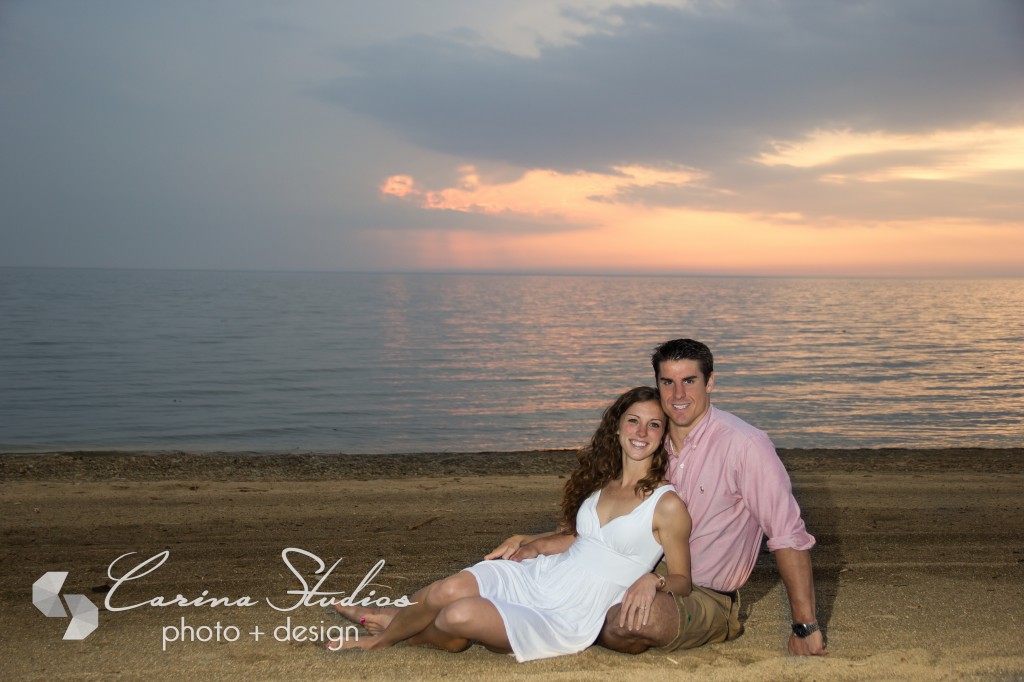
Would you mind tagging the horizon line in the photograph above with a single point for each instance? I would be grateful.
(520, 273)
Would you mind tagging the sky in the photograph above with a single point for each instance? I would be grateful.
(774, 137)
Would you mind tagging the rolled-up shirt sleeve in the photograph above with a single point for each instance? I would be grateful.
(767, 492)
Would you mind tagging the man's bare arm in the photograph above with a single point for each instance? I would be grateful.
(795, 569)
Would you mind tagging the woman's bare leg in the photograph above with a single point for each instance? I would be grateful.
(475, 618)
(413, 620)
(437, 639)
(373, 619)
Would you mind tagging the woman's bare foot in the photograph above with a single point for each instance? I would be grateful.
(374, 620)
(356, 644)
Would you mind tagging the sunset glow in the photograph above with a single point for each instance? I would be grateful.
(592, 218)
(537, 193)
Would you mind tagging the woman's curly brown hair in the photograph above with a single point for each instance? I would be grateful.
(601, 460)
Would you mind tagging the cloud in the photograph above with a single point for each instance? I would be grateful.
(822, 112)
(941, 154)
(540, 194)
(828, 178)
(970, 172)
(506, 135)
(702, 86)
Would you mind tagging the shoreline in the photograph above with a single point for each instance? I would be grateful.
(101, 465)
(919, 565)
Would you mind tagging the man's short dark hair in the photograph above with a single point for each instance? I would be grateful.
(684, 349)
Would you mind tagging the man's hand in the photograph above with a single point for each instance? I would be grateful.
(795, 568)
(811, 645)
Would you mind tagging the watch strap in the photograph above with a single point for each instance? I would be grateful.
(802, 630)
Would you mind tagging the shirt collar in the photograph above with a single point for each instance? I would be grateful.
(694, 436)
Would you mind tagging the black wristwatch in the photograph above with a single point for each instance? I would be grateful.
(802, 630)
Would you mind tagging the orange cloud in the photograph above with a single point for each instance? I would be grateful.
(538, 193)
(399, 186)
(601, 230)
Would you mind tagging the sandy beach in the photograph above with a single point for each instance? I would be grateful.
(919, 564)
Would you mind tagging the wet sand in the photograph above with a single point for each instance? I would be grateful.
(919, 564)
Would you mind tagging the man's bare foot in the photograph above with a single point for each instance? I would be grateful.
(374, 620)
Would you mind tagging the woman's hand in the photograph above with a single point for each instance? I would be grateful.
(636, 604)
(519, 547)
(527, 551)
(506, 549)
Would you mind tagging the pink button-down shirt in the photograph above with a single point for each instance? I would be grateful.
(735, 488)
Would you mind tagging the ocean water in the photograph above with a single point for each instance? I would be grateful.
(378, 363)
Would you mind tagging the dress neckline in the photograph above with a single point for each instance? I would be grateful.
(630, 512)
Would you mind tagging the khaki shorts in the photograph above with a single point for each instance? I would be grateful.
(705, 617)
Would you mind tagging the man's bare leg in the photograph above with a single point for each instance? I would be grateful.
(662, 627)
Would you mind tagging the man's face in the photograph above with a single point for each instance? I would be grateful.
(685, 396)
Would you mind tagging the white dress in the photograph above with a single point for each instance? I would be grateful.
(555, 605)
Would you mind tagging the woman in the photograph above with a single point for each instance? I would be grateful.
(623, 515)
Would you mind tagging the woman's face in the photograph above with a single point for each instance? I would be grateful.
(641, 430)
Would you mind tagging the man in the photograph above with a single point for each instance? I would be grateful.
(736, 489)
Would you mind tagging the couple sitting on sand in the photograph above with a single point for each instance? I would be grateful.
(623, 508)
